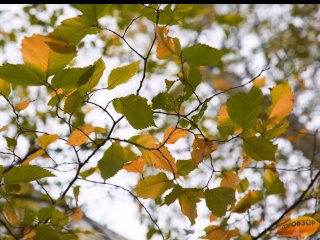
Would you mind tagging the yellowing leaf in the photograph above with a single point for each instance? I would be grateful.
(298, 227)
(251, 198)
(135, 166)
(220, 84)
(202, 149)
(166, 46)
(47, 54)
(5, 127)
(245, 163)
(218, 232)
(153, 154)
(272, 182)
(173, 134)
(4, 88)
(153, 186)
(22, 105)
(230, 180)
(79, 137)
(100, 129)
(33, 156)
(259, 82)
(46, 140)
(77, 214)
(282, 103)
(188, 200)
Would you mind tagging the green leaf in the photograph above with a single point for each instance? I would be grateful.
(218, 199)
(25, 174)
(173, 195)
(74, 29)
(153, 186)
(244, 108)
(11, 142)
(45, 232)
(201, 55)
(93, 11)
(191, 82)
(22, 74)
(122, 74)
(251, 198)
(272, 182)
(259, 148)
(165, 17)
(5, 88)
(136, 111)
(112, 161)
(73, 102)
(185, 167)
(243, 185)
(164, 101)
(195, 118)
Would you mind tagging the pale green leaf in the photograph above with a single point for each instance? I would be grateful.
(93, 11)
(122, 74)
(24, 174)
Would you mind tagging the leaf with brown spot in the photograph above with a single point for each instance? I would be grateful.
(202, 149)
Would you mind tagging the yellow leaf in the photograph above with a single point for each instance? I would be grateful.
(45, 53)
(155, 155)
(282, 103)
(259, 82)
(29, 233)
(33, 156)
(202, 149)
(22, 105)
(245, 163)
(217, 232)
(298, 227)
(79, 137)
(77, 214)
(230, 180)
(135, 166)
(166, 46)
(5, 127)
(218, 83)
(100, 129)
(173, 134)
(4, 88)
(46, 140)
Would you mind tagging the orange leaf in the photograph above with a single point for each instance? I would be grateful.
(218, 83)
(217, 232)
(282, 103)
(22, 105)
(5, 127)
(245, 163)
(33, 156)
(77, 214)
(166, 46)
(155, 155)
(79, 137)
(259, 82)
(202, 149)
(298, 227)
(173, 134)
(135, 166)
(46, 140)
(213, 217)
(230, 180)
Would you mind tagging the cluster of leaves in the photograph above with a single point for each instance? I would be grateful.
(252, 119)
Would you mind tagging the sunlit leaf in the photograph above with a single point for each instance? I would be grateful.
(112, 161)
(33, 156)
(218, 232)
(230, 180)
(251, 198)
(22, 105)
(166, 46)
(47, 54)
(153, 186)
(218, 199)
(135, 166)
(153, 154)
(298, 227)
(282, 103)
(201, 149)
(173, 134)
(122, 74)
(46, 139)
(136, 110)
(80, 136)
(24, 174)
